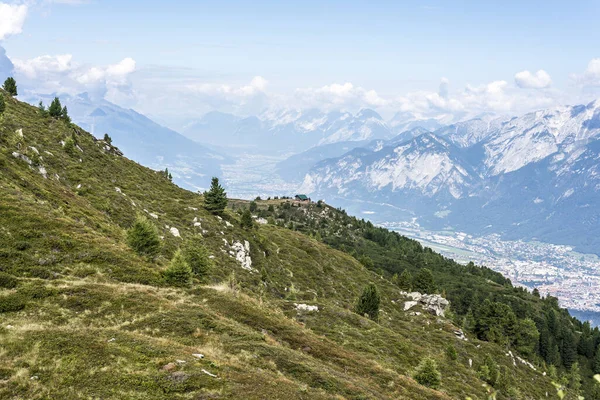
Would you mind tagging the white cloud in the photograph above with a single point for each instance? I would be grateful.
(528, 80)
(12, 18)
(336, 96)
(59, 73)
(591, 75)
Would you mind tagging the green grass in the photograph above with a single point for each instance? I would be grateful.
(83, 316)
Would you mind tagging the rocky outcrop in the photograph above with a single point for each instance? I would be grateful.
(433, 303)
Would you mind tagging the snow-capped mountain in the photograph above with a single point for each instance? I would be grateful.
(191, 164)
(287, 130)
(537, 175)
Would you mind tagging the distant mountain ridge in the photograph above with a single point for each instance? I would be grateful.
(533, 176)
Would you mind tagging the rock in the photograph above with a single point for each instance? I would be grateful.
(22, 157)
(242, 254)
(470, 363)
(169, 367)
(228, 224)
(111, 340)
(43, 172)
(179, 376)
(306, 307)
(433, 303)
(198, 355)
(174, 231)
(19, 132)
(118, 190)
(208, 373)
(262, 221)
(461, 335)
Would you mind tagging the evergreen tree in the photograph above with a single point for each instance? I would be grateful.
(596, 364)
(10, 85)
(197, 257)
(368, 302)
(246, 221)
(253, 206)
(451, 352)
(568, 350)
(42, 109)
(489, 370)
(2, 104)
(405, 281)
(64, 114)
(179, 272)
(527, 337)
(427, 373)
(423, 281)
(215, 199)
(143, 237)
(69, 146)
(107, 139)
(55, 110)
(536, 292)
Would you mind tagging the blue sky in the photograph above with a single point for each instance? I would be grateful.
(393, 48)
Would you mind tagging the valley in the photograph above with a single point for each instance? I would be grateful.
(556, 270)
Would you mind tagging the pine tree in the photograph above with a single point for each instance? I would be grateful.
(55, 110)
(423, 281)
(10, 85)
(527, 337)
(405, 281)
(2, 104)
(179, 272)
(42, 109)
(368, 302)
(143, 237)
(427, 374)
(197, 257)
(246, 221)
(64, 114)
(536, 292)
(215, 199)
(253, 206)
(107, 139)
(596, 365)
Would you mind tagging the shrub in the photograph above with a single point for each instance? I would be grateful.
(451, 352)
(2, 104)
(8, 281)
(215, 199)
(197, 257)
(35, 291)
(246, 220)
(179, 272)
(368, 302)
(10, 85)
(427, 374)
(253, 206)
(69, 146)
(143, 237)
(12, 302)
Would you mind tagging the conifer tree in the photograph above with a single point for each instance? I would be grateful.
(596, 364)
(42, 109)
(427, 374)
(64, 114)
(55, 110)
(423, 281)
(368, 302)
(246, 220)
(107, 138)
(2, 104)
(179, 272)
(143, 237)
(215, 199)
(197, 257)
(404, 281)
(10, 85)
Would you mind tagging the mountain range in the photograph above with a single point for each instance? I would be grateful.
(535, 176)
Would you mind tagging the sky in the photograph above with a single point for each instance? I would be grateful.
(177, 60)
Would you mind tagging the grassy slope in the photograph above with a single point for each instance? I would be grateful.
(94, 320)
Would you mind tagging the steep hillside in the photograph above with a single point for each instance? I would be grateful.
(83, 316)
(143, 140)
